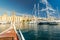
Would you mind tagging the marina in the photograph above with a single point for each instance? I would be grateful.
(41, 24)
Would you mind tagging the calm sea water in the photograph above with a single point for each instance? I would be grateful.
(42, 32)
(37, 32)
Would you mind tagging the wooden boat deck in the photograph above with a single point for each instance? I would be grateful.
(9, 35)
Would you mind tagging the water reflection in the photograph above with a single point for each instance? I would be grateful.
(42, 32)
(36, 32)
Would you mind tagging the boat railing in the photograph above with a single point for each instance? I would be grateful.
(19, 33)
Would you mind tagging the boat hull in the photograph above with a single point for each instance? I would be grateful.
(48, 23)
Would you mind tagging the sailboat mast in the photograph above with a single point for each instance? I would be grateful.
(35, 9)
(58, 12)
(38, 10)
(47, 8)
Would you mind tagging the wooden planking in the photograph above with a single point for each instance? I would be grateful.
(7, 38)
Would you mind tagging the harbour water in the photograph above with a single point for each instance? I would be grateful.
(37, 32)
(41, 32)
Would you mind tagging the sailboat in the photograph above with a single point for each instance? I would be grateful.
(56, 20)
(49, 18)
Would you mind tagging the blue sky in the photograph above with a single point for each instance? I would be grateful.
(25, 6)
